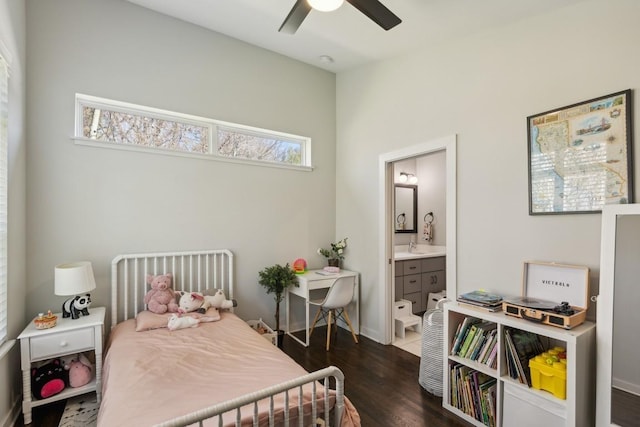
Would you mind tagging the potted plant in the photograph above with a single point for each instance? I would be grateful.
(276, 279)
(335, 254)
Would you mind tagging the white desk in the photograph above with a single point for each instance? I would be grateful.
(311, 281)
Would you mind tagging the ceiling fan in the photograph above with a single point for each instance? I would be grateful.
(375, 10)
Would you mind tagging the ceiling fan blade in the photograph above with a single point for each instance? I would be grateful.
(377, 12)
(294, 19)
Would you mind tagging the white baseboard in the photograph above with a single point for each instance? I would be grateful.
(626, 386)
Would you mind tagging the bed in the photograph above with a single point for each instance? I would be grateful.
(220, 373)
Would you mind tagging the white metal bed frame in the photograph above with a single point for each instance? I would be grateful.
(200, 271)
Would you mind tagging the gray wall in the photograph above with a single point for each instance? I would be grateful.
(482, 88)
(430, 169)
(94, 203)
(432, 196)
(12, 35)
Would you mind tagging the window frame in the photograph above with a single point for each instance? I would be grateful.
(4, 199)
(82, 100)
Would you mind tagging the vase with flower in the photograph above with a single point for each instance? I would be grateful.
(336, 254)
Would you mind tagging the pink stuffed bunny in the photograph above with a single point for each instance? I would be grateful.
(161, 298)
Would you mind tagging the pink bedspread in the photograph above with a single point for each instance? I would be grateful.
(156, 375)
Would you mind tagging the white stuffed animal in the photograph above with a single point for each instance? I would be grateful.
(196, 301)
(219, 300)
(191, 301)
(176, 322)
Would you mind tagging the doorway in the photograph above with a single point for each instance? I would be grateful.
(387, 221)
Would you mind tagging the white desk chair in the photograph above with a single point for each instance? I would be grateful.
(334, 304)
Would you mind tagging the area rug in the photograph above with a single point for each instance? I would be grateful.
(80, 411)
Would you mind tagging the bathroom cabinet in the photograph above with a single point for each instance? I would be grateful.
(416, 278)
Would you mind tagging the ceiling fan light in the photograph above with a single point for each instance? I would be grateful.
(325, 5)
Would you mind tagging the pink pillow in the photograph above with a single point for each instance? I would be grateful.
(147, 320)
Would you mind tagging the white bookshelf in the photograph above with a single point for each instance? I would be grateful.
(516, 402)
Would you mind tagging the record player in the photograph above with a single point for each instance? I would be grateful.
(552, 294)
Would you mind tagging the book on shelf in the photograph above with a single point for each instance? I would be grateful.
(483, 344)
(473, 329)
(521, 346)
(462, 333)
(492, 361)
(476, 338)
(474, 393)
(486, 329)
(488, 346)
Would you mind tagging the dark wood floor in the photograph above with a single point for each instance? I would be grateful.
(625, 408)
(381, 381)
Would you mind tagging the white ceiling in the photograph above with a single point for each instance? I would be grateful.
(346, 35)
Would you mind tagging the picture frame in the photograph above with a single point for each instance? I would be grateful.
(580, 156)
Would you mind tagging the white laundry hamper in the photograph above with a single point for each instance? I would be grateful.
(431, 368)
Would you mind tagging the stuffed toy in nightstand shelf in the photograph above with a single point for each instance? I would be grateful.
(160, 298)
(80, 369)
(48, 379)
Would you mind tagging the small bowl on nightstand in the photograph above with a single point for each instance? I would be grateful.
(45, 321)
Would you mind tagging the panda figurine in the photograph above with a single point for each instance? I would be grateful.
(75, 306)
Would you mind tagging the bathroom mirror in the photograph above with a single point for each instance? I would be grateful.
(406, 209)
(618, 376)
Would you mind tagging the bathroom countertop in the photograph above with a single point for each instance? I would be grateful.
(402, 253)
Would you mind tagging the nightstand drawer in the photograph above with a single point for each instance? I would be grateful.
(61, 343)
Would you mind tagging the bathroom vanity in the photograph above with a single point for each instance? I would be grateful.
(419, 273)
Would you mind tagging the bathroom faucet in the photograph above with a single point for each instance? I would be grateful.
(412, 246)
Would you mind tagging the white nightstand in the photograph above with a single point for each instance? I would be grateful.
(69, 336)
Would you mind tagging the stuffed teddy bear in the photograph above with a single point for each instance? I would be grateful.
(160, 298)
(48, 379)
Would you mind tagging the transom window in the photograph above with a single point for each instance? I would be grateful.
(117, 124)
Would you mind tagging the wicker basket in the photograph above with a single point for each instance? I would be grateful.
(431, 369)
(264, 330)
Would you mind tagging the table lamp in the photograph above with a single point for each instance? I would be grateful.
(74, 279)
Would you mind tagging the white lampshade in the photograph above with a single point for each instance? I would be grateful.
(74, 278)
(325, 5)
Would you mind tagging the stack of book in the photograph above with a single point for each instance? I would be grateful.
(474, 393)
(476, 340)
(482, 299)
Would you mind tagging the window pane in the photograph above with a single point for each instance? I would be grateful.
(121, 125)
(133, 129)
(234, 143)
(4, 142)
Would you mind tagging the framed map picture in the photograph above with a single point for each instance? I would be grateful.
(580, 156)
